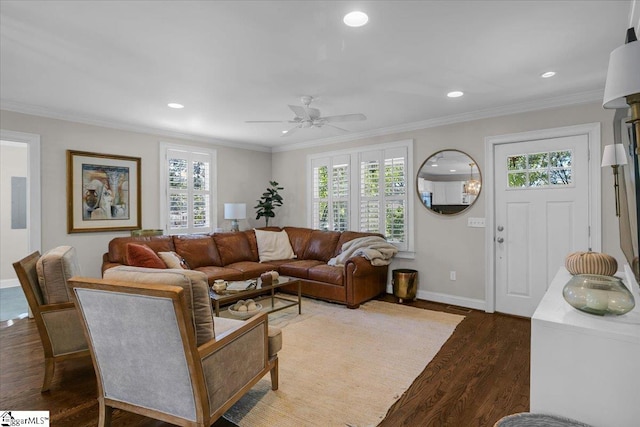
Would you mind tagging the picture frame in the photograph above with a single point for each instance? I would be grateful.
(103, 192)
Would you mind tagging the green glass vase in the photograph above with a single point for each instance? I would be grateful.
(599, 295)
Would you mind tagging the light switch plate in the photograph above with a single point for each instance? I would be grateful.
(475, 222)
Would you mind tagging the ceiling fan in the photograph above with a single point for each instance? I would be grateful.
(307, 117)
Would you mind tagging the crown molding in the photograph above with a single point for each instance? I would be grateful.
(562, 101)
(35, 110)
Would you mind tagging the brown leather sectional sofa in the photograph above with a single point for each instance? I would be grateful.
(234, 256)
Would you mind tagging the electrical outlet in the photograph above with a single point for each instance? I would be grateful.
(452, 275)
(475, 222)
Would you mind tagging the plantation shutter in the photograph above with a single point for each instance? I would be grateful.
(188, 191)
(330, 193)
(383, 193)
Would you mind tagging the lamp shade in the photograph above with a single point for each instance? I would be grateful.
(613, 155)
(235, 211)
(623, 76)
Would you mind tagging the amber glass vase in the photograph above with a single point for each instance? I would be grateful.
(598, 294)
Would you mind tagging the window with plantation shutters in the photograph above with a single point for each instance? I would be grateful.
(383, 193)
(331, 192)
(188, 176)
(364, 190)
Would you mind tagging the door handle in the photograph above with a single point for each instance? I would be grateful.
(500, 239)
(500, 228)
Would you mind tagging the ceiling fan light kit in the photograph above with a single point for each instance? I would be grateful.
(308, 117)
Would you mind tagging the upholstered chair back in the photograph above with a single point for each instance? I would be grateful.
(144, 354)
(44, 280)
(144, 349)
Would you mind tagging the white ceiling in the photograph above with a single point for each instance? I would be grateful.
(119, 63)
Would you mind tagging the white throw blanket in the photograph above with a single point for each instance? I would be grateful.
(374, 248)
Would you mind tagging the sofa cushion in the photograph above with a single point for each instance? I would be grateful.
(194, 284)
(273, 245)
(143, 256)
(322, 245)
(233, 247)
(118, 246)
(251, 237)
(250, 269)
(54, 268)
(299, 238)
(172, 260)
(327, 273)
(299, 269)
(223, 273)
(197, 250)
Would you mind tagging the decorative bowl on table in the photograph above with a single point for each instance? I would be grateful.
(599, 295)
(245, 309)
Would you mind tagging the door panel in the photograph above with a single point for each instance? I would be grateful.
(541, 215)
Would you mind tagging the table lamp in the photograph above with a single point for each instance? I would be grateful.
(234, 212)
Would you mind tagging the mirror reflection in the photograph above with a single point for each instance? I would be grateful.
(449, 182)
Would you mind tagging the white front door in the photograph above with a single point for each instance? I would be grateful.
(542, 213)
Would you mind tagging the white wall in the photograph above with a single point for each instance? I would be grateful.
(446, 243)
(14, 244)
(442, 243)
(242, 177)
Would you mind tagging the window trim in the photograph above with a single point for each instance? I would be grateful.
(354, 154)
(164, 190)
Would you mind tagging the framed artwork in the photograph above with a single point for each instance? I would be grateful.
(103, 192)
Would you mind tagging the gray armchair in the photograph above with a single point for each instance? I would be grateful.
(44, 282)
(145, 350)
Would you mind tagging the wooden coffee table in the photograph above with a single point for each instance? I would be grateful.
(269, 291)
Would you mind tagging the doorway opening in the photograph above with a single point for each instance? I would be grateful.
(20, 215)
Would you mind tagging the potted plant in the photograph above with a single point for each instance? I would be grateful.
(270, 199)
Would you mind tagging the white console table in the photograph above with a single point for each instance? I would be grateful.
(583, 366)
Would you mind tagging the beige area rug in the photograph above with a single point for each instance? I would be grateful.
(342, 367)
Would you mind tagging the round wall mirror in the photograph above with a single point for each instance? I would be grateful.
(448, 182)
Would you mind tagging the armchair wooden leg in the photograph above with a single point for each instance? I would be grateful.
(274, 373)
(49, 369)
(104, 414)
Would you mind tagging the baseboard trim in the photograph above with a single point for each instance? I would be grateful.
(9, 283)
(476, 304)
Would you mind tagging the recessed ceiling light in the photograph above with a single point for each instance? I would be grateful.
(452, 170)
(174, 105)
(455, 94)
(435, 165)
(355, 19)
(548, 74)
(285, 131)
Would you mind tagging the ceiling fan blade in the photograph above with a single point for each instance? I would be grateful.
(300, 112)
(269, 121)
(345, 118)
(290, 131)
(339, 128)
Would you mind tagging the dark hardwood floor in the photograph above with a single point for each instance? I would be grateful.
(480, 375)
